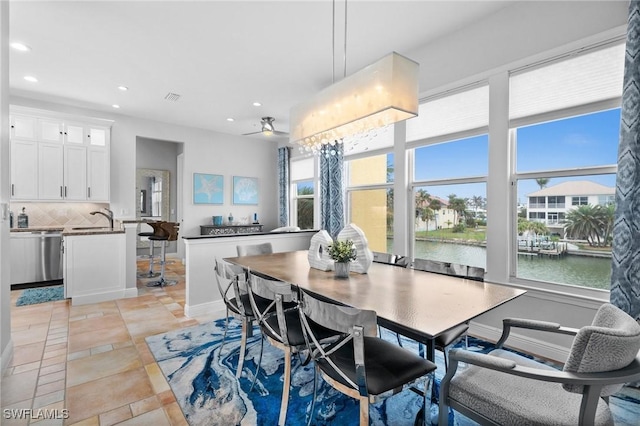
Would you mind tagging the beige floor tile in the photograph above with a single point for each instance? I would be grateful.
(156, 417)
(116, 416)
(26, 367)
(158, 381)
(53, 368)
(102, 365)
(95, 323)
(48, 399)
(27, 354)
(91, 421)
(176, 417)
(99, 396)
(18, 387)
(54, 360)
(145, 405)
(52, 377)
(50, 387)
(90, 339)
(35, 333)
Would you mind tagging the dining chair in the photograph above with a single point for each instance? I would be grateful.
(445, 341)
(503, 387)
(254, 249)
(390, 259)
(275, 306)
(359, 364)
(232, 285)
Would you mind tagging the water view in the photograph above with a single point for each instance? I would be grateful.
(569, 269)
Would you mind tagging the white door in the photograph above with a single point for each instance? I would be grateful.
(98, 174)
(50, 171)
(24, 170)
(75, 172)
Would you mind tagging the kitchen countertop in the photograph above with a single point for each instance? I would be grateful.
(70, 231)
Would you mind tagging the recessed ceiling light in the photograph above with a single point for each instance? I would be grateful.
(20, 46)
(257, 104)
(31, 78)
(115, 106)
(230, 119)
(123, 88)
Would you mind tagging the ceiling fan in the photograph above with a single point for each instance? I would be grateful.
(267, 128)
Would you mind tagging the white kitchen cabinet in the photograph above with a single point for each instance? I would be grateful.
(24, 169)
(98, 174)
(50, 171)
(58, 157)
(23, 127)
(94, 267)
(75, 173)
(50, 130)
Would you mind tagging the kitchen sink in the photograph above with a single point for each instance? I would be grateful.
(91, 228)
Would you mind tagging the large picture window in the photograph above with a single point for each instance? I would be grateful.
(370, 199)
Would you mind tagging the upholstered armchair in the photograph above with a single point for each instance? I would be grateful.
(504, 388)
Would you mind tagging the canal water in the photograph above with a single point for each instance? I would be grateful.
(569, 269)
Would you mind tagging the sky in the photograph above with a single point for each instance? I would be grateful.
(588, 140)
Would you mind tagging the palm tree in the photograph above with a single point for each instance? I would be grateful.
(423, 198)
(459, 206)
(305, 208)
(589, 223)
(542, 182)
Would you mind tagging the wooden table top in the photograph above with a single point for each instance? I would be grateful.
(418, 304)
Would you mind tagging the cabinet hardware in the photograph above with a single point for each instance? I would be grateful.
(12, 189)
(13, 127)
(65, 191)
(60, 191)
(88, 192)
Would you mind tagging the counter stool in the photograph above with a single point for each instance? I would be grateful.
(150, 273)
(169, 232)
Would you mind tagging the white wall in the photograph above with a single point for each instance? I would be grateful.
(5, 297)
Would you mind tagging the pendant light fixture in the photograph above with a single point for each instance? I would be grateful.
(380, 94)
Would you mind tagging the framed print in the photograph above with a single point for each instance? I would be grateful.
(208, 189)
(245, 190)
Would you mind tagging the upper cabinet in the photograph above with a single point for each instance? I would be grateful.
(59, 158)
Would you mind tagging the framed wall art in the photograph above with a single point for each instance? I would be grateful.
(208, 189)
(245, 190)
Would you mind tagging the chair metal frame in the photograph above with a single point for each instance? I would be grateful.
(271, 298)
(355, 325)
(231, 282)
(592, 383)
(254, 249)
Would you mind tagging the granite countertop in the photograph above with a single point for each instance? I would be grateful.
(73, 230)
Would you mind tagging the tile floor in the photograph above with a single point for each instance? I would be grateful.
(90, 363)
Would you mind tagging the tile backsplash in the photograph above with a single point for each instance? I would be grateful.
(59, 214)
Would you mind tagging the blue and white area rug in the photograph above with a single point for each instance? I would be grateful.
(202, 377)
(31, 296)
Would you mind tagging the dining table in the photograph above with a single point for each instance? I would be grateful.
(417, 304)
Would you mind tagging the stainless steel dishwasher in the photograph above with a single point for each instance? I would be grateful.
(36, 258)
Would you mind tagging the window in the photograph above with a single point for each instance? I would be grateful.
(556, 202)
(303, 203)
(579, 201)
(370, 199)
(302, 193)
(537, 202)
(565, 118)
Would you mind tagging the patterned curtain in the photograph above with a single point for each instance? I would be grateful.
(625, 274)
(283, 186)
(331, 192)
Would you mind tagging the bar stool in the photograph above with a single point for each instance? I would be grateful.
(168, 232)
(150, 273)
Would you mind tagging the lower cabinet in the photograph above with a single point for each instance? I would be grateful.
(94, 267)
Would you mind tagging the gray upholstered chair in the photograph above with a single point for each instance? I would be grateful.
(359, 364)
(254, 249)
(505, 388)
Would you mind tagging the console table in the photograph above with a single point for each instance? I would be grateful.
(230, 229)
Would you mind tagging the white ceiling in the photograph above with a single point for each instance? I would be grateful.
(220, 56)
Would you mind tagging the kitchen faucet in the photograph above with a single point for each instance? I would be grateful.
(108, 215)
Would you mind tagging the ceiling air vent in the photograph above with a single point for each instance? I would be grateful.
(172, 97)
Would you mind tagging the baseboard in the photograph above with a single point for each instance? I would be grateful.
(101, 297)
(209, 308)
(520, 342)
(131, 292)
(5, 358)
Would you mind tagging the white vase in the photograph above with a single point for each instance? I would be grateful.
(342, 269)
